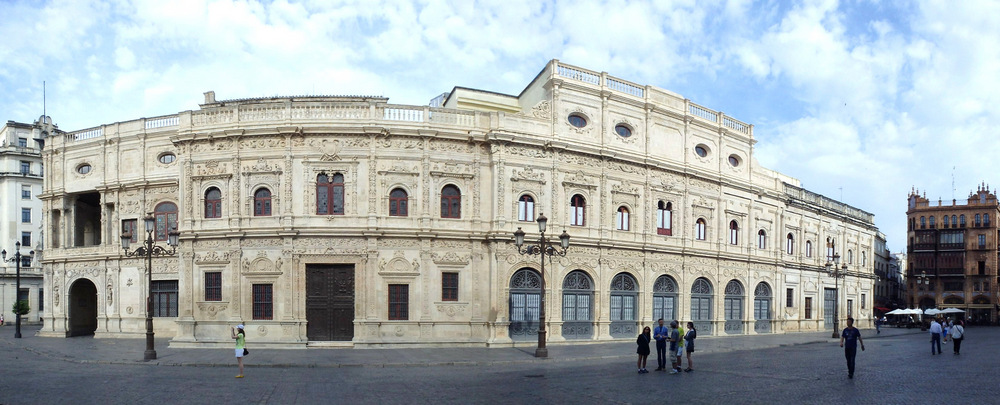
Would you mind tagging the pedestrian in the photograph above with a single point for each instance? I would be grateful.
(675, 357)
(692, 333)
(642, 350)
(935, 336)
(240, 335)
(945, 326)
(680, 344)
(957, 334)
(1, 319)
(878, 324)
(661, 334)
(852, 336)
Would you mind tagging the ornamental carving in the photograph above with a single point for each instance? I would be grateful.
(528, 152)
(262, 166)
(211, 168)
(450, 258)
(452, 309)
(542, 110)
(623, 189)
(449, 244)
(452, 169)
(579, 180)
(665, 284)
(399, 265)
(398, 243)
(261, 143)
(626, 168)
(528, 174)
(450, 146)
(214, 256)
(400, 167)
(212, 309)
(578, 159)
(259, 264)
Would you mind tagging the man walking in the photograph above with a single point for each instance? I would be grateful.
(851, 336)
(661, 334)
(935, 336)
(675, 358)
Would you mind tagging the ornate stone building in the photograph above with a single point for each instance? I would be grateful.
(952, 254)
(318, 220)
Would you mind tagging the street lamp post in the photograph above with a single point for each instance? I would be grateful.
(543, 248)
(837, 272)
(149, 249)
(17, 264)
(922, 280)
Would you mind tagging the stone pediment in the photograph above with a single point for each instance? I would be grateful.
(399, 266)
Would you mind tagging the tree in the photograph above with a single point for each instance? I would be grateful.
(21, 307)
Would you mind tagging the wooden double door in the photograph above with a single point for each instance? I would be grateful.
(330, 302)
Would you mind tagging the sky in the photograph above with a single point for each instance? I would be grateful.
(861, 100)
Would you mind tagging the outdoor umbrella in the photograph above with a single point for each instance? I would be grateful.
(932, 311)
(896, 312)
(952, 311)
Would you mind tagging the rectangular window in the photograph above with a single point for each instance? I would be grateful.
(26, 215)
(789, 297)
(982, 241)
(213, 286)
(862, 301)
(25, 167)
(809, 307)
(26, 239)
(25, 261)
(399, 299)
(449, 286)
(982, 268)
(164, 298)
(263, 301)
(131, 225)
(663, 222)
(41, 300)
(22, 142)
(25, 192)
(850, 307)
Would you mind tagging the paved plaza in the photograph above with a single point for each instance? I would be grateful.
(792, 368)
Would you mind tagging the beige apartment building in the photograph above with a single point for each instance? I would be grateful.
(353, 221)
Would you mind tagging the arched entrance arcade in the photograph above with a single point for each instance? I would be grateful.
(82, 308)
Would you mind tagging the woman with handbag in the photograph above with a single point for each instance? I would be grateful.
(957, 334)
(241, 349)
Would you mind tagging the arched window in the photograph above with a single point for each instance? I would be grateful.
(932, 222)
(398, 203)
(850, 256)
(923, 222)
(330, 194)
(165, 214)
(762, 308)
(262, 203)
(664, 218)
(624, 293)
(621, 219)
(961, 220)
(451, 202)
(829, 249)
(699, 229)
(790, 244)
(954, 222)
(864, 258)
(986, 219)
(734, 307)
(978, 220)
(809, 248)
(761, 239)
(944, 222)
(524, 299)
(734, 233)
(701, 306)
(213, 203)
(577, 206)
(664, 299)
(526, 208)
(578, 294)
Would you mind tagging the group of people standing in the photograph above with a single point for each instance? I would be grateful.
(944, 329)
(679, 340)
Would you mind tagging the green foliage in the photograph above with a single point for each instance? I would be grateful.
(21, 307)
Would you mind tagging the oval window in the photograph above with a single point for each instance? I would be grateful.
(733, 160)
(167, 158)
(83, 169)
(577, 120)
(701, 150)
(623, 131)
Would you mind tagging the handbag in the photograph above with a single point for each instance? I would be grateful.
(245, 351)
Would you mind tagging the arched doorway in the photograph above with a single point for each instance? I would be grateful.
(577, 316)
(734, 307)
(701, 306)
(664, 299)
(82, 308)
(762, 308)
(525, 287)
(624, 291)
(927, 302)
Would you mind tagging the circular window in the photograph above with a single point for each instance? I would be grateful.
(701, 150)
(167, 158)
(577, 120)
(733, 160)
(83, 169)
(623, 131)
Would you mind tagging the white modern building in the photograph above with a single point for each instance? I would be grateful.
(21, 217)
(350, 220)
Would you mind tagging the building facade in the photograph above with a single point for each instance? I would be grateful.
(21, 215)
(318, 220)
(952, 254)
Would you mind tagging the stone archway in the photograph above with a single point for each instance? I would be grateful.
(82, 308)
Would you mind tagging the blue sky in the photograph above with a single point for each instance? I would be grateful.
(871, 96)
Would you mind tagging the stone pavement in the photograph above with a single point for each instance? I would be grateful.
(88, 350)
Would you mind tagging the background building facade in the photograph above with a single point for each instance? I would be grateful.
(316, 220)
(952, 254)
(21, 214)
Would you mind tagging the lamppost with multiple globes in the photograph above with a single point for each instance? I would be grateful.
(923, 281)
(17, 263)
(543, 248)
(837, 272)
(148, 249)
